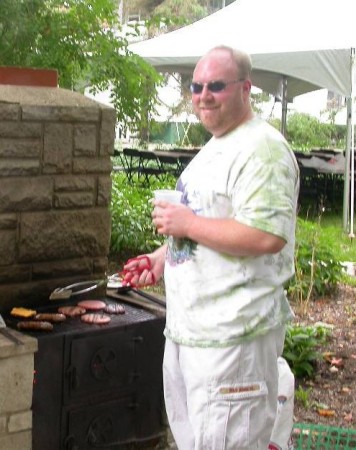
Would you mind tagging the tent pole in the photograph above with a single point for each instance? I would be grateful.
(284, 106)
(352, 171)
(346, 199)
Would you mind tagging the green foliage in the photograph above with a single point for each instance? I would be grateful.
(303, 396)
(300, 348)
(132, 230)
(84, 41)
(305, 132)
(331, 232)
(190, 11)
(198, 135)
(317, 269)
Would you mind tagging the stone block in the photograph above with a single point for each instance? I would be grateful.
(7, 247)
(107, 131)
(9, 111)
(3, 424)
(17, 441)
(16, 376)
(26, 194)
(20, 421)
(73, 200)
(20, 130)
(64, 234)
(60, 113)
(19, 167)
(100, 265)
(104, 191)
(20, 148)
(68, 183)
(58, 148)
(60, 269)
(8, 349)
(92, 165)
(85, 140)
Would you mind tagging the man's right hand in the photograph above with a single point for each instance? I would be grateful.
(144, 270)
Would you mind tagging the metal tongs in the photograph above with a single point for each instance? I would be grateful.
(70, 291)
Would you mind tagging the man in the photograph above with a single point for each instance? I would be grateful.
(229, 252)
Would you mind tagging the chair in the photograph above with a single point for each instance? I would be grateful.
(149, 165)
(184, 161)
(119, 163)
(170, 164)
(309, 192)
(332, 191)
(131, 162)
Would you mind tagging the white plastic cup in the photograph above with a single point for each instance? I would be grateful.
(168, 195)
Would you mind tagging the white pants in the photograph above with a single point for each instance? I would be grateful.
(223, 398)
(283, 424)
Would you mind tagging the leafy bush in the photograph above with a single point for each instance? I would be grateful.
(132, 230)
(317, 270)
(300, 348)
(305, 131)
(198, 135)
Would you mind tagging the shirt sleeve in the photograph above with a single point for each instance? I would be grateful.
(264, 195)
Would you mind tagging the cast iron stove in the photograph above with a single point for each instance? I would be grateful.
(98, 386)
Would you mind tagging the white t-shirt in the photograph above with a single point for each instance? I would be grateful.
(214, 299)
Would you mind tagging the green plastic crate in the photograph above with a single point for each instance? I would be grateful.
(321, 437)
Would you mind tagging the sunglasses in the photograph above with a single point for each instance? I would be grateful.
(213, 86)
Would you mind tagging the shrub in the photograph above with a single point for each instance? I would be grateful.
(317, 270)
(300, 348)
(132, 231)
(305, 132)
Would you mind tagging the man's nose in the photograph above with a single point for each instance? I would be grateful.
(205, 92)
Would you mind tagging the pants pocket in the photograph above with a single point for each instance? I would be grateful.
(235, 415)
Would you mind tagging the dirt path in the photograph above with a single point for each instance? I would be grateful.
(331, 396)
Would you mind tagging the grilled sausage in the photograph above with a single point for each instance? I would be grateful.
(114, 308)
(50, 317)
(95, 318)
(72, 311)
(34, 325)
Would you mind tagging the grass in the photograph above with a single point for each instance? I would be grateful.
(332, 231)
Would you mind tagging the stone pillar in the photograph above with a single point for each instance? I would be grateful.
(55, 186)
(16, 383)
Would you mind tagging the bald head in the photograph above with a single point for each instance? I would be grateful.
(240, 58)
(221, 89)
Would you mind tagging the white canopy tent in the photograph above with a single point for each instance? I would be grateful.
(296, 46)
